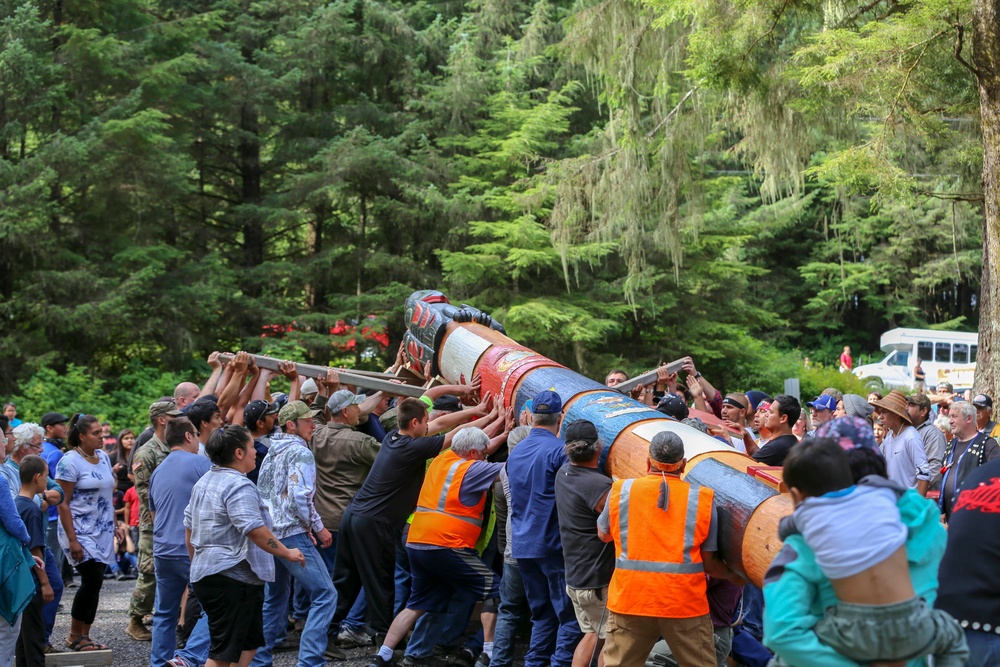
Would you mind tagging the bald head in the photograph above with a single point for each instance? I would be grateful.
(185, 394)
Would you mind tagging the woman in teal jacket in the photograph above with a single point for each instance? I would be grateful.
(16, 585)
(796, 594)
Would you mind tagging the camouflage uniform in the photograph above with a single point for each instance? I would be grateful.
(144, 463)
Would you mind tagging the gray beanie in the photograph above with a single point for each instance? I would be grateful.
(857, 406)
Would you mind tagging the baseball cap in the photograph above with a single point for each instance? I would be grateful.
(309, 387)
(53, 418)
(343, 398)
(983, 401)
(582, 429)
(295, 410)
(918, 399)
(823, 402)
(674, 406)
(848, 432)
(547, 402)
(447, 403)
(257, 410)
(160, 408)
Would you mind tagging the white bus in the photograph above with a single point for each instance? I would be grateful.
(946, 356)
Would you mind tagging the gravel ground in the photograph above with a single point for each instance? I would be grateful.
(112, 617)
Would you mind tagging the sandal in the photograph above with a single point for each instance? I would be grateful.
(85, 644)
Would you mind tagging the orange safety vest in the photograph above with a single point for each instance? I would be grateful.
(441, 519)
(659, 571)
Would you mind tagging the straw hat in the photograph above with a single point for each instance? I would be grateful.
(894, 402)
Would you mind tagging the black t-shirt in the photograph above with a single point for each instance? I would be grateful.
(391, 490)
(589, 561)
(969, 579)
(774, 451)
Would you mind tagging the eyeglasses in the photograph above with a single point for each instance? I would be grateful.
(4, 441)
(38, 446)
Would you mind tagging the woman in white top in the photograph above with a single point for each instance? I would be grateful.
(86, 522)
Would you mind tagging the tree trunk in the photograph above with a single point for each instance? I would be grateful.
(986, 57)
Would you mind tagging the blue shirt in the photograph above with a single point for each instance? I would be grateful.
(169, 494)
(52, 452)
(532, 469)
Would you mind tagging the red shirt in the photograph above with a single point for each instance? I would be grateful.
(132, 497)
(845, 360)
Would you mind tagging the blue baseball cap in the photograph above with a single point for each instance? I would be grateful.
(547, 403)
(823, 402)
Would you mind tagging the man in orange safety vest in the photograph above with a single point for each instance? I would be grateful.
(664, 532)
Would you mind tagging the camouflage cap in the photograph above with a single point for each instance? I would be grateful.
(295, 410)
(160, 408)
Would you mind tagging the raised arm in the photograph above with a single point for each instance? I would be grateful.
(213, 380)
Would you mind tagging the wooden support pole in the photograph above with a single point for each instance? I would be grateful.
(79, 659)
(347, 377)
(647, 378)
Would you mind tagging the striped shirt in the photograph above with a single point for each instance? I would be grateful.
(224, 507)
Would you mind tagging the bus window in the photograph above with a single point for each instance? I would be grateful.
(925, 351)
(942, 352)
(972, 355)
(960, 353)
(898, 358)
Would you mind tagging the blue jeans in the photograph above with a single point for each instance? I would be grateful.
(444, 629)
(984, 648)
(356, 617)
(55, 579)
(315, 580)
(402, 575)
(195, 651)
(52, 542)
(172, 576)
(554, 630)
(513, 609)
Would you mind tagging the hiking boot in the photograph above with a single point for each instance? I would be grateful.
(350, 638)
(137, 631)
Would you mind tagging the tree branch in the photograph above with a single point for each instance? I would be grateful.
(959, 34)
(949, 196)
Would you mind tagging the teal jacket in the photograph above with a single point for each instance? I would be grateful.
(796, 593)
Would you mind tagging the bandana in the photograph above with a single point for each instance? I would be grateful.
(664, 467)
(848, 432)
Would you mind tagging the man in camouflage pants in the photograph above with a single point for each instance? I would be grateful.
(144, 463)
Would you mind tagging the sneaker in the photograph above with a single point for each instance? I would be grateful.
(378, 661)
(464, 657)
(122, 576)
(334, 653)
(350, 638)
(429, 661)
(289, 644)
(137, 631)
(177, 661)
(483, 660)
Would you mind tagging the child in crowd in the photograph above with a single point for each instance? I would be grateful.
(131, 500)
(31, 642)
(878, 618)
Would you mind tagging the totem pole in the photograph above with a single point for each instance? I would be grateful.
(463, 341)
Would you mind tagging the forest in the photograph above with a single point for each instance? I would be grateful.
(620, 182)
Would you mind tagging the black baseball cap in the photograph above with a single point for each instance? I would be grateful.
(53, 418)
(257, 410)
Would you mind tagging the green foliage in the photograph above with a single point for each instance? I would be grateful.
(622, 183)
(123, 400)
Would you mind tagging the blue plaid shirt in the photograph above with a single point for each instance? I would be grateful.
(224, 507)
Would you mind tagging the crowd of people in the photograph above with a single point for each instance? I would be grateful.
(432, 528)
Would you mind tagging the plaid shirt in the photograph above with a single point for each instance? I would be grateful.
(224, 507)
